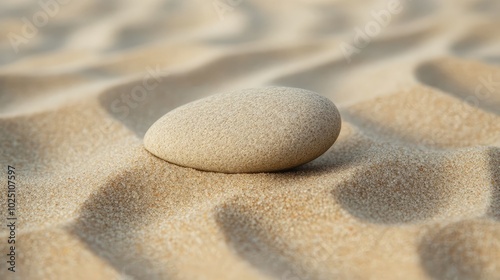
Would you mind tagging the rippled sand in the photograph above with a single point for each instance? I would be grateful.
(411, 189)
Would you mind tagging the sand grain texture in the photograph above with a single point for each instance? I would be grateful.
(410, 189)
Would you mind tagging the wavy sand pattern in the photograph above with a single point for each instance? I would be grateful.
(411, 189)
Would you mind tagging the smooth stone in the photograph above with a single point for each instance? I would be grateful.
(246, 131)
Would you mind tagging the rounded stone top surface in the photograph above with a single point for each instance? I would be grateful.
(246, 131)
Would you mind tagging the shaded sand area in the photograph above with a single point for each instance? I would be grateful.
(410, 190)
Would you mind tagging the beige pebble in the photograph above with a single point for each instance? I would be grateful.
(252, 130)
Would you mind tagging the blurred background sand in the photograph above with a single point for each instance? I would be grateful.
(410, 190)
